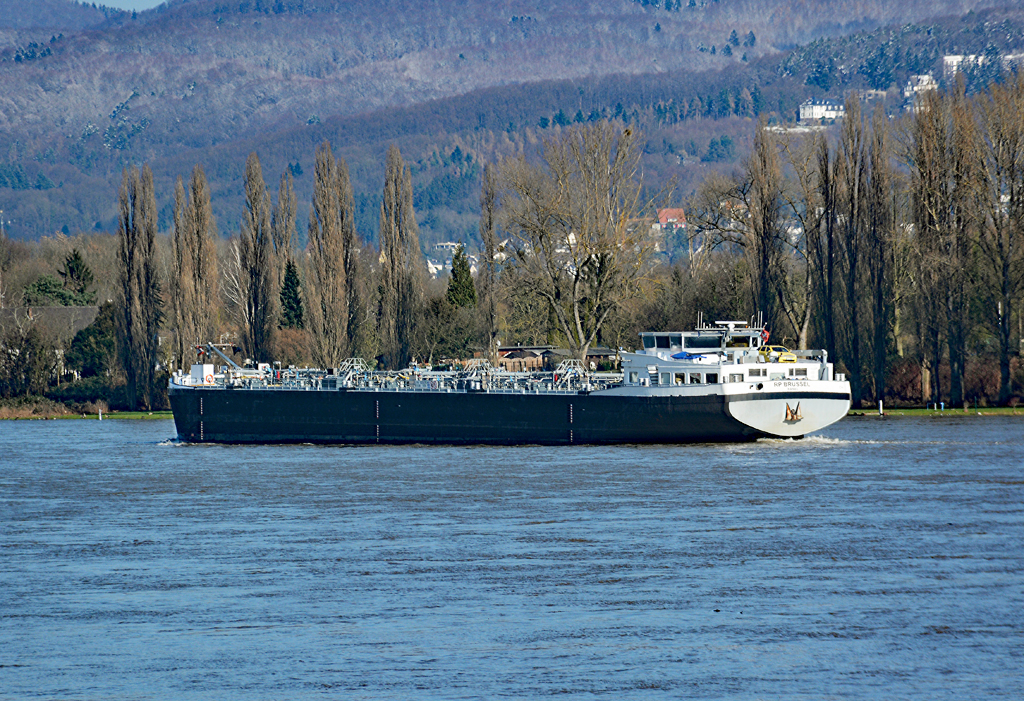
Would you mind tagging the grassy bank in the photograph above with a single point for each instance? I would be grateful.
(95, 417)
(35, 409)
(971, 411)
(144, 415)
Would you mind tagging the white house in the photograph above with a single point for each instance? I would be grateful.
(918, 84)
(814, 110)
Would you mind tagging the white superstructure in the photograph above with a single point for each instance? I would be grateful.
(782, 394)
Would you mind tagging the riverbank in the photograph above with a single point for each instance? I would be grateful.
(970, 411)
(95, 417)
(43, 409)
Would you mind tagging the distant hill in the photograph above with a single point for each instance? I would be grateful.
(53, 14)
(209, 80)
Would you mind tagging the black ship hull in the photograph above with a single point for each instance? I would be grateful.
(224, 415)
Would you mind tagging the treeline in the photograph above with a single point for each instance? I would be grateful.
(336, 298)
(896, 245)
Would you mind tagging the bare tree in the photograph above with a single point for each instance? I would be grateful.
(139, 305)
(822, 248)
(851, 169)
(1001, 243)
(942, 148)
(580, 226)
(803, 204)
(333, 253)
(194, 282)
(749, 213)
(966, 205)
(258, 273)
(282, 224)
(489, 270)
(766, 244)
(233, 285)
(882, 213)
(401, 285)
(5, 262)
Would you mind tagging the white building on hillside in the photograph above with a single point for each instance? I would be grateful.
(918, 84)
(954, 63)
(815, 110)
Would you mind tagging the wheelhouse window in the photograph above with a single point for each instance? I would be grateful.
(648, 342)
(662, 341)
(739, 342)
(703, 342)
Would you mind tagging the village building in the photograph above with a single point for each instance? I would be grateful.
(547, 358)
(816, 110)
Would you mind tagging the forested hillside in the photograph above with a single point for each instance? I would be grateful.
(54, 14)
(209, 81)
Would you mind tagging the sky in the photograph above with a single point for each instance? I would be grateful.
(127, 4)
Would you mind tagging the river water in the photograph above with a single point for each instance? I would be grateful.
(881, 559)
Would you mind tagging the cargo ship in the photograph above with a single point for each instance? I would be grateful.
(717, 383)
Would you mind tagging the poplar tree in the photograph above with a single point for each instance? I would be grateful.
(488, 271)
(258, 274)
(194, 291)
(881, 246)
(283, 224)
(401, 277)
(1001, 244)
(748, 212)
(138, 295)
(332, 308)
(765, 242)
(943, 154)
(822, 248)
(852, 173)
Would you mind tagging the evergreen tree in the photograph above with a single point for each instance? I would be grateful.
(48, 291)
(291, 298)
(78, 277)
(93, 349)
(461, 291)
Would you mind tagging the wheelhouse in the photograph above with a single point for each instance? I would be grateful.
(726, 335)
(728, 352)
